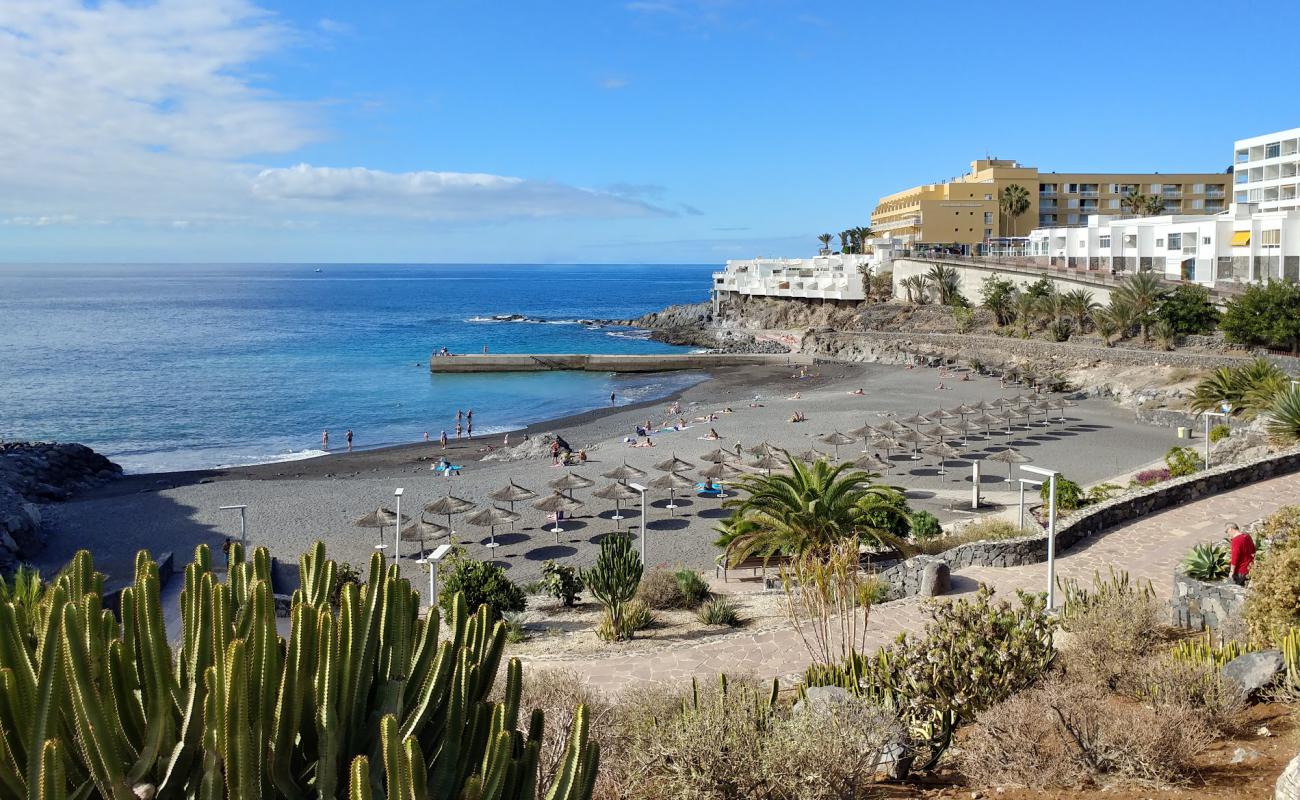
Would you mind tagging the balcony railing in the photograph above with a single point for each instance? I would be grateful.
(1090, 193)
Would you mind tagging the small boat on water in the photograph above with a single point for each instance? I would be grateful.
(318, 269)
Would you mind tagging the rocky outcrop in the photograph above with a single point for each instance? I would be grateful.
(41, 472)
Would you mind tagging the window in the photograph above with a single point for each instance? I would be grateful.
(1242, 177)
(1198, 188)
(1272, 150)
(1074, 219)
(1270, 238)
(1156, 188)
(988, 217)
(1103, 241)
(1071, 188)
(988, 232)
(1160, 242)
(988, 197)
(1175, 241)
(1243, 155)
(1083, 219)
(1240, 197)
(1198, 204)
(1205, 240)
(1072, 202)
(1113, 203)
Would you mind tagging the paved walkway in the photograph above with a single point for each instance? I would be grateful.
(1147, 549)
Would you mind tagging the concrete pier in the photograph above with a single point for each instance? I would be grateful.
(541, 362)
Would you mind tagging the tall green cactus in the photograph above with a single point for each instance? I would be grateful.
(614, 580)
(99, 707)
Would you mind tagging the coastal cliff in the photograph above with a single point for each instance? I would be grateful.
(41, 472)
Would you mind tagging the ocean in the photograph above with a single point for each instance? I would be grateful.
(172, 367)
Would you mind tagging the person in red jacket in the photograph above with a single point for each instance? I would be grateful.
(1241, 553)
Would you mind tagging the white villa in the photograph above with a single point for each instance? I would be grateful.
(825, 277)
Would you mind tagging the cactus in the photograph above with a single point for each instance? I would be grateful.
(1202, 650)
(100, 707)
(614, 580)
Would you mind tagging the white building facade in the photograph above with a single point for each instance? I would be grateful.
(831, 277)
(1266, 171)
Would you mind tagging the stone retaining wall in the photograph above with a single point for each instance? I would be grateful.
(905, 577)
(1199, 605)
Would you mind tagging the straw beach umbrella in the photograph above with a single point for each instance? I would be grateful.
(421, 531)
(836, 440)
(865, 432)
(768, 462)
(872, 463)
(674, 482)
(940, 415)
(761, 449)
(624, 473)
(719, 473)
(812, 454)
(987, 420)
(379, 519)
(1010, 457)
(941, 432)
(915, 420)
(891, 426)
(618, 492)
(887, 444)
(944, 451)
(1006, 415)
(913, 438)
(1063, 404)
(674, 464)
(719, 456)
(512, 493)
(571, 481)
(446, 506)
(490, 518)
(558, 505)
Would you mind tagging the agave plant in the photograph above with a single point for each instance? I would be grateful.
(1282, 422)
(1208, 561)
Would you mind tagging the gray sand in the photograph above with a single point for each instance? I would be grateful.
(291, 504)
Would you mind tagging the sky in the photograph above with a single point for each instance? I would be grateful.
(687, 131)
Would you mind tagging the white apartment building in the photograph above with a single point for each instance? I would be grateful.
(832, 277)
(1241, 245)
(1266, 170)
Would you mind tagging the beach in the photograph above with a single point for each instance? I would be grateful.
(291, 504)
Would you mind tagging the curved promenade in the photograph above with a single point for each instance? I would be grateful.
(1147, 548)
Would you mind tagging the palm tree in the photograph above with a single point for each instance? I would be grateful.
(1143, 293)
(1002, 304)
(1122, 314)
(813, 508)
(1106, 325)
(1134, 202)
(1079, 304)
(862, 233)
(922, 284)
(1013, 201)
(1027, 309)
(947, 282)
(825, 239)
(844, 241)
(1154, 205)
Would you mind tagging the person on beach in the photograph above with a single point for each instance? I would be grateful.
(611, 399)
(325, 440)
(348, 436)
(443, 440)
(857, 392)
(469, 428)
(713, 435)
(1241, 549)
(426, 436)
(506, 442)
(555, 453)
(459, 430)
(484, 349)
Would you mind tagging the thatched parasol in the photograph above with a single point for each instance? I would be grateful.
(379, 519)
(421, 531)
(964, 409)
(559, 505)
(941, 432)
(490, 518)
(760, 449)
(887, 444)
(941, 414)
(720, 473)
(768, 462)
(624, 473)
(512, 493)
(1062, 404)
(446, 506)
(674, 464)
(617, 492)
(987, 420)
(915, 419)
(837, 440)
(1010, 457)
(571, 481)
(872, 463)
(944, 451)
(719, 456)
(865, 432)
(812, 454)
(891, 426)
(913, 438)
(674, 482)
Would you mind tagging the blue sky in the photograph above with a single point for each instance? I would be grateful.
(655, 131)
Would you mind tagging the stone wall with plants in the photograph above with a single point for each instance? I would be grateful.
(1094, 519)
(1205, 604)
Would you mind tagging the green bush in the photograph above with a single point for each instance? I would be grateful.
(661, 590)
(561, 582)
(1069, 496)
(1188, 310)
(1101, 492)
(1182, 461)
(719, 611)
(694, 589)
(1208, 561)
(1266, 314)
(1219, 432)
(925, 526)
(1273, 602)
(637, 616)
(481, 583)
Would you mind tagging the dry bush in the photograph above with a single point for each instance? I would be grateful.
(1273, 602)
(827, 753)
(1197, 687)
(1115, 629)
(558, 693)
(659, 590)
(1063, 735)
(983, 530)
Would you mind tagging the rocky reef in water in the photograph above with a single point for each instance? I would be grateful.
(32, 473)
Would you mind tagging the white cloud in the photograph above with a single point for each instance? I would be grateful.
(39, 222)
(439, 195)
(613, 83)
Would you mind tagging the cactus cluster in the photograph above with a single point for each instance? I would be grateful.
(98, 706)
(614, 580)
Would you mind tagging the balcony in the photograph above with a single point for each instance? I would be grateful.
(1093, 193)
(1171, 195)
(1214, 194)
(907, 222)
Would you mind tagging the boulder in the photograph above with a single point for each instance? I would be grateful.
(1253, 671)
(1288, 783)
(935, 580)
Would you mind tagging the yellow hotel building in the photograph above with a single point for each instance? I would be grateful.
(965, 211)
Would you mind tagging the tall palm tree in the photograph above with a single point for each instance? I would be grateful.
(844, 241)
(1028, 310)
(947, 282)
(1143, 292)
(825, 239)
(1154, 205)
(813, 508)
(1106, 324)
(1079, 305)
(862, 233)
(1134, 202)
(1013, 200)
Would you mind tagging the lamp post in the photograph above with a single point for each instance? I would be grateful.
(1023, 481)
(432, 562)
(1050, 475)
(975, 485)
(636, 487)
(243, 522)
(397, 531)
(1209, 414)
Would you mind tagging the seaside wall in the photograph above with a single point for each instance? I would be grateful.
(523, 362)
(973, 274)
(905, 578)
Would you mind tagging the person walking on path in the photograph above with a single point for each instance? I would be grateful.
(1241, 553)
(348, 436)
(325, 440)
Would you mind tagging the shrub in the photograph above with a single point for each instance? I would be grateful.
(1111, 627)
(719, 611)
(963, 317)
(561, 582)
(1059, 330)
(660, 590)
(987, 529)
(637, 616)
(1207, 561)
(481, 583)
(1188, 310)
(1219, 432)
(1150, 477)
(1265, 314)
(1198, 687)
(924, 525)
(1281, 525)
(556, 693)
(1069, 496)
(1273, 602)
(1282, 421)
(1102, 492)
(1062, 735)
(694, 589)
(1182, 461)
(515, 622)
(828, 752)
(614, 580)
(1249, 388)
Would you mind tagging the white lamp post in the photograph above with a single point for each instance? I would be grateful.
(1023, 483)
(1209, 414)
(1050, 474)
(636, 487)
(432, 562)
(975, 485)
(243, 522)
(397, 530)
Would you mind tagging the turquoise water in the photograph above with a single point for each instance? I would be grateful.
(167, 367)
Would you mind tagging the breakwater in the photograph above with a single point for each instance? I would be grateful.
(594, 362)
